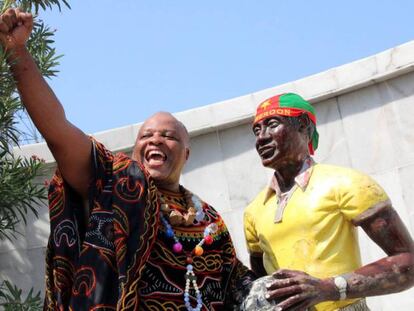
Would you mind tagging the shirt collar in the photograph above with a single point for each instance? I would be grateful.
(301, 180)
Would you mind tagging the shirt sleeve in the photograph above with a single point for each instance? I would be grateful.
(252, 240)
(102, 162)
(359, 192)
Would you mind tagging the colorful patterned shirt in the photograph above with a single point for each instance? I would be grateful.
(119, 259)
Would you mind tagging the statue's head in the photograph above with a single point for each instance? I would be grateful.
(285, 130)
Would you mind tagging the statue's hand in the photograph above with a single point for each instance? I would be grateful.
(15, 28)
(297, 290)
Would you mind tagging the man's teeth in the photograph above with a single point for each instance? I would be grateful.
(156, 154)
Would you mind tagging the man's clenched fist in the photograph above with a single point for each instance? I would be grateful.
(15, 28)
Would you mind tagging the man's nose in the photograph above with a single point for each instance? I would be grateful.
(263, 135)
(156, 139)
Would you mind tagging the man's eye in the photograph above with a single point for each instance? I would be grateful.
(169, 136)
(273, 124)
(145, 135)
(256, 131)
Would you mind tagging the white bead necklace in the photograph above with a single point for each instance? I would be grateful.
(190, 277)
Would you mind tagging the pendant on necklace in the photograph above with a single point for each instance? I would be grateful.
(191, 279)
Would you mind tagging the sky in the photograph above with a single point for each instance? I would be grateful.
(126, 59)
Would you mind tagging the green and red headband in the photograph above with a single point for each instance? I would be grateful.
(288, 105)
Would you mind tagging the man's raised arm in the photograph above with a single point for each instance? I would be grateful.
(69, 145)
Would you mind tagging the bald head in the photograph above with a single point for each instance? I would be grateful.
(167, 118)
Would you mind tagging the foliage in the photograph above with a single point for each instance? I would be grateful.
(33, 5)
(19, 193)
(11, 299)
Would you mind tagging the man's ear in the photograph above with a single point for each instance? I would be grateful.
(134, 155)
(304, 125)
(187, 153)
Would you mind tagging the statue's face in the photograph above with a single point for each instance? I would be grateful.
(162, 147)
(278, 143)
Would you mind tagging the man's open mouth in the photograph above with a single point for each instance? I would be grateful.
(155, 157)
(266, 152)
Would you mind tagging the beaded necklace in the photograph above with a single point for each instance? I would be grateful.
(192, 201)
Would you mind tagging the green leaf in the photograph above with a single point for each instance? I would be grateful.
(11, 299)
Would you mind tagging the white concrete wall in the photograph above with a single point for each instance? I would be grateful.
(365, 119)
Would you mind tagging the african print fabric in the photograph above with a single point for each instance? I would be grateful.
(119, 259)
(162, 284)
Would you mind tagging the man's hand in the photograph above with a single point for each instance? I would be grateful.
(15, 28)
(297, 290)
